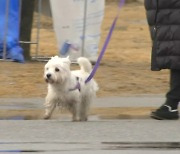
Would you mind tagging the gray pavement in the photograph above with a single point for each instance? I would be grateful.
(124, 101)
(97, 136)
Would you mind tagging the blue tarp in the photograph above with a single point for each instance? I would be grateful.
(14, 51)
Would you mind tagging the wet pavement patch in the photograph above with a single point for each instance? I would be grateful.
(18, 151)
(85, 146)
(17, 118)
(142, 145)
(102, 113)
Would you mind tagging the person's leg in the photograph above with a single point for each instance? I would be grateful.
(173, 96)
(169, 109)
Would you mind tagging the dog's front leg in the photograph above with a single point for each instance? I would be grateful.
(75, 111)
(49, 108)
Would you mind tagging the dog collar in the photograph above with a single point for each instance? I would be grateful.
(77, 86)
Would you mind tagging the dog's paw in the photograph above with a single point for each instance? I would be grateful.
(75, 119)
(84, 119)
(46, 117)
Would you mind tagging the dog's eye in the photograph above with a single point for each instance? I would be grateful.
(57, 69)
(47, 68)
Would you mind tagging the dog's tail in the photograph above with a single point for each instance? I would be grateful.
(84, 64)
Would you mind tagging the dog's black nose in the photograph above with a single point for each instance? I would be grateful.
(48, 75)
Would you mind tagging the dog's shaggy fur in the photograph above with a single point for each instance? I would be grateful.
(67, 88)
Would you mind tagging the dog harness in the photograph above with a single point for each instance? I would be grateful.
(77, 86)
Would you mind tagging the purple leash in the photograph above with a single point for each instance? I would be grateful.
(121, 4)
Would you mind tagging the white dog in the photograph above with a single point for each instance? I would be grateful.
(67, 88)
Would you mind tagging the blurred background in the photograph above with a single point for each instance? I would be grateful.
(125, 67)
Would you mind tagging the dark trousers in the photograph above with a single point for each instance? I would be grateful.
(173, 95)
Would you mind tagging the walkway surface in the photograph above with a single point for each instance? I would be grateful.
(126, 107)
(124, 101)
(97, 136)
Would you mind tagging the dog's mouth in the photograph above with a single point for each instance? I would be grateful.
(49, 80)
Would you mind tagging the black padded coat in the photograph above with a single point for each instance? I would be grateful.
(163, 17)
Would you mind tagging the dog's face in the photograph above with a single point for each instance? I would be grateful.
(57, 70)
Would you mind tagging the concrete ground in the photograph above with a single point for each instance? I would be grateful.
(127, 107)
(96, 136)
(116, 125)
